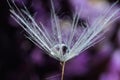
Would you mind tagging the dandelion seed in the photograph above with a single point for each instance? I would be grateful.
(55, 45)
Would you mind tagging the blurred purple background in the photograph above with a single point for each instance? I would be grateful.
(20, 59)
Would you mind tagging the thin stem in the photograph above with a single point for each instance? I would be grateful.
(63, 69)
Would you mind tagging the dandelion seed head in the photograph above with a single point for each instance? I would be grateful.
(54, 42)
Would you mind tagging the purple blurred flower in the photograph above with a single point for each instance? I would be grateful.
(114, 65)
(109, 76)
(113, 71)
(79, 65)
(91, 9)
(37, 57)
